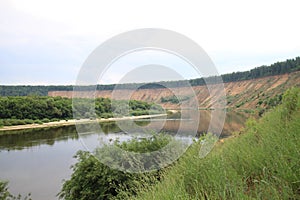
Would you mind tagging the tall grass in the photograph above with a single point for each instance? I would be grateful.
(263, 162)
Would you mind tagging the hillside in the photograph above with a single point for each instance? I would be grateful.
(278, 68)
(262, 162)
(248, 94)
(259, 162)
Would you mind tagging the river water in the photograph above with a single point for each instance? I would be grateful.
(37, 161)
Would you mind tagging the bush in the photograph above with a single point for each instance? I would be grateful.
(290, 102)
(106, 115)
(261, 112)
(172, 99)
(28, 121)
(6, 195)
(21, 122)
(45, 120)
(239, 104)
(6, 122)
(37, 121)
(14, 122)
(260, 102)
(139, 112)
(92, 179)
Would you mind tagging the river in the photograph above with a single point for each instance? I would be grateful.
(37, 161)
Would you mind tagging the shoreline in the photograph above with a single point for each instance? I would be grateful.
(74, 121)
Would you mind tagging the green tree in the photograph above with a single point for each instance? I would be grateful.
(92, 179)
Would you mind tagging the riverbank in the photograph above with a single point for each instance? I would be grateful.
(74, 121)
(261, 162)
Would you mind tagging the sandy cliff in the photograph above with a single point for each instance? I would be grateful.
(242, 94)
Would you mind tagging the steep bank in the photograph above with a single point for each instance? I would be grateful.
(248, 94)
(260, 163)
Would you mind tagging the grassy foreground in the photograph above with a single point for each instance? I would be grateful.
(263, 162)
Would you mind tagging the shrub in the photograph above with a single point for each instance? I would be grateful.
(290, 102)
(28, 121)
(6, 122)
(260, 102)
(45, 120)
(14, 122)
(106, 115)
(239, 104)
(6, 195)
(172, 99)
(92, 179)
(21, 122)
(261, 112)
(139, 112)
(37, 121)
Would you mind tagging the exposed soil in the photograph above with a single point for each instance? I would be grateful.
(248, 94)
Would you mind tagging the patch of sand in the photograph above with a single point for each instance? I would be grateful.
(73, 122)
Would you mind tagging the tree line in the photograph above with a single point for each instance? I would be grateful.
(41, 109)
(27, 90)
(288, 66)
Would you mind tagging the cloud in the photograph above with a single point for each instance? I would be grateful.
(55, 35)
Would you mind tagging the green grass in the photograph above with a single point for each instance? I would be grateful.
(261, 163)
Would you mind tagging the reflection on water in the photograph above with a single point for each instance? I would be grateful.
(38, 160)
(21, 139)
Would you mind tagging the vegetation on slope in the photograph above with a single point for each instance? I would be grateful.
(288, 66)
(261, 94)
(262, 162)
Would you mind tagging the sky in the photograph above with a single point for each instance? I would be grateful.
(46, 42)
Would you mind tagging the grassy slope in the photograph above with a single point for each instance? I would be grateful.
(261, 163)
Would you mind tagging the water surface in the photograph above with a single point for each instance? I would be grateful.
(38, 160)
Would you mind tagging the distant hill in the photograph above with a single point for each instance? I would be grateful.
(279, 68)
(27, 90)
(257, 93)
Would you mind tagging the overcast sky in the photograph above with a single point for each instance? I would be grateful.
(46, 42)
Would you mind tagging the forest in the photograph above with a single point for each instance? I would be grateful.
(42, 109)
(288, 66)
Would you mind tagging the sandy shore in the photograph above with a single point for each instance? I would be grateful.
(73, 122)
